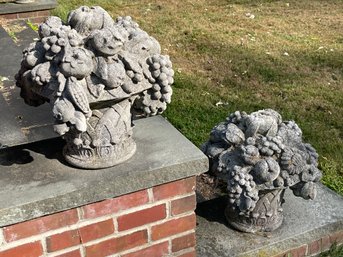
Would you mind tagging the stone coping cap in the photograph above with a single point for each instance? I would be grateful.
(6, 8)
(305, 221)
(35, 180)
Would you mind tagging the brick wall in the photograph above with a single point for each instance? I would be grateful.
(315, 247)
(34, 17)
(158, 221)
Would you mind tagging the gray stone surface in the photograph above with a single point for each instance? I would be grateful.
(35, 180)
(35, 6)
(18, 125)
(304, 222)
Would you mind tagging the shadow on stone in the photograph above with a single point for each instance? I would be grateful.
(15, 156)
(54, 151)
(21, 154)
(213, 210)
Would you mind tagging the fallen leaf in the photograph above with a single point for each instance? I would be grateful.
(221, 103)
(3, 78)
(250, 15)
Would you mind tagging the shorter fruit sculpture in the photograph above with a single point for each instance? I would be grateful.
(94, 71)
(259, 156)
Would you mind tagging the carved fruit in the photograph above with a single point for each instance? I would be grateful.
(305, 190)
(80, 122)
(293, 162)
(77, 95)
(234, 135)
(61, 129)
(63, 110)
(266, 170)
(250, 154)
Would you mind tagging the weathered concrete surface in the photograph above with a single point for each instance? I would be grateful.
(18, 125)
(35, 6)
(35, 180)
(304, 222)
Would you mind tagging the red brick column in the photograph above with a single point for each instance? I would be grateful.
(316, 247)
(154, 222)
(34, 16)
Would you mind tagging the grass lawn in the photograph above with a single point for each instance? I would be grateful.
(334, 251)
(249, 55)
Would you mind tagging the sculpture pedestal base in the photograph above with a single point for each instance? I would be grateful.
(266, 216)
(108, 140)
(109, 158)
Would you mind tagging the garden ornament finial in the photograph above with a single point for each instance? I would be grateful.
(94, 71)
(259, 156)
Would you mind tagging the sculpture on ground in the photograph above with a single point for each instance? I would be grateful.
(259, 156)
(94, 71)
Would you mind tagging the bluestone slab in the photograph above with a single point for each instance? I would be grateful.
(304, 222)
(37, 5)
(20, 123)
(35, 180)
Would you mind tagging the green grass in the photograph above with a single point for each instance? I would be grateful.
(289, 58)
(334, 251)
(34, 27)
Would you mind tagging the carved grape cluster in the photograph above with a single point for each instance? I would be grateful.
(127, 23)
(135, 76)
(162, 73)
(242, 191)
(236, 117)
(55, 36)
(269, 146)
(154, 101)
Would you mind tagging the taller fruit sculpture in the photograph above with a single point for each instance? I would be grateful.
(95, 72)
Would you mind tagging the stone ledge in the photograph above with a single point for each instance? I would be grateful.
(305, 223)
(35, 181)
(19, 8)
